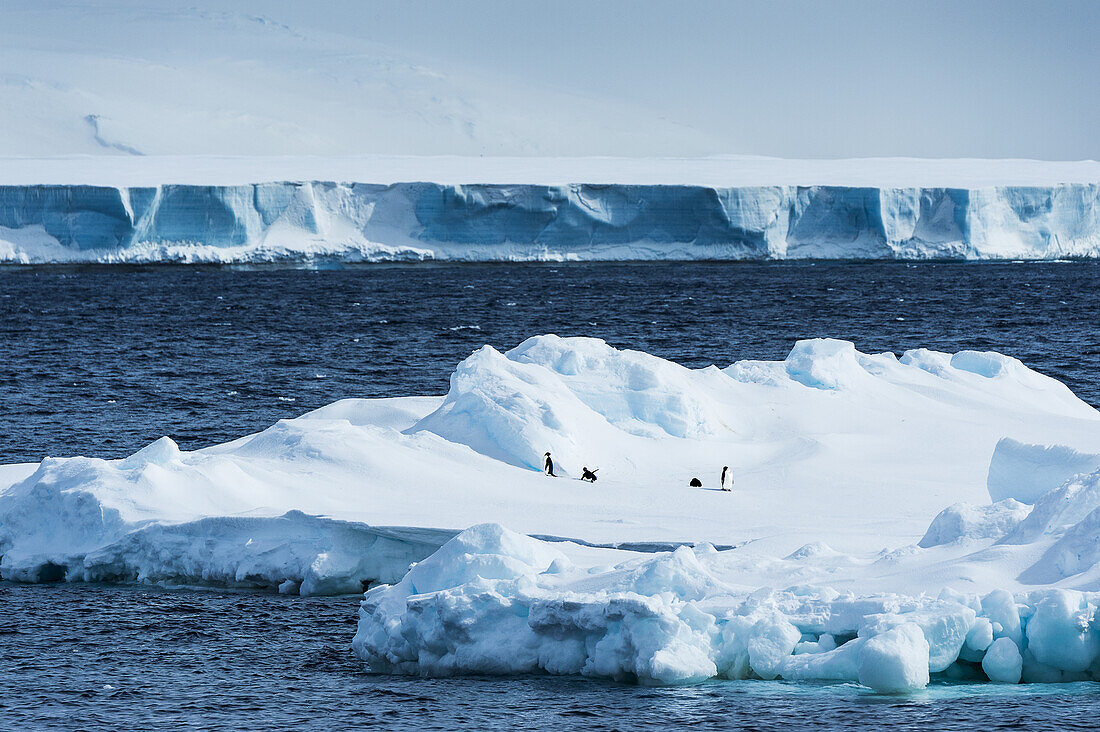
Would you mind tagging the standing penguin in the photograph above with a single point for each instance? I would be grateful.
(548, 466)
(727, 478)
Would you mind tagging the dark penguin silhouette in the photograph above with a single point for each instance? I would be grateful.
(589, 475)
(548, 466)
(727, 478)
(696, 483)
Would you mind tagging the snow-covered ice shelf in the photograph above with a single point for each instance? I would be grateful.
(715, 171)
(891, 518)
(514, 209)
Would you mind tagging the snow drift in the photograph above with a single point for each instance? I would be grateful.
(860, 542)
(361, 222)
(123, 78)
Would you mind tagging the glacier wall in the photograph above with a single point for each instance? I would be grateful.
(306, 221)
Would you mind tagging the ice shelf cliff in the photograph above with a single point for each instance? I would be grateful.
(358, 222)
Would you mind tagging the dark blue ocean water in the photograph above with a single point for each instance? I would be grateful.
(101, 361)
(102, 658)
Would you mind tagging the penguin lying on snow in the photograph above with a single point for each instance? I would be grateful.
(589, 475)
(696, 483)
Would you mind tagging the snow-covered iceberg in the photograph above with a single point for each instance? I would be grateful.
(873, 523)
(850, 450)
(360, 222)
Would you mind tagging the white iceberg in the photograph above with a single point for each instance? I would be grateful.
(844, 460)
(489, 602)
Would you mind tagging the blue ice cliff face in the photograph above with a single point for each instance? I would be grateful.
(414, 221)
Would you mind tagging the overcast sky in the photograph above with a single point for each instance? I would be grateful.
(929, 78)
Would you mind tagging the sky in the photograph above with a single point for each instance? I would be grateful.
(800, 79)
(784, 78)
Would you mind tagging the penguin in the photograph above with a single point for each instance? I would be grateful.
(727, 478)
(548, 466)
(589, 475)
(696, 483)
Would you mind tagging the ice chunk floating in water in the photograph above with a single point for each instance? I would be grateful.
(863, 501)
(492, 601)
